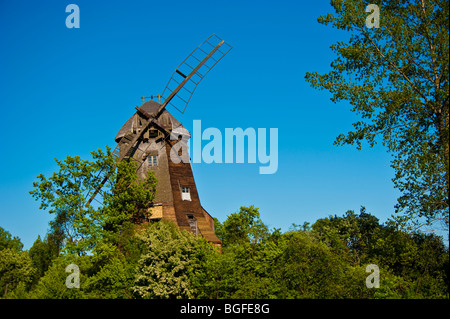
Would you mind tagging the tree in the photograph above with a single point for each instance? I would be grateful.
(351, 234)
(309, 268)
(170, 260)
(411, 265)
(110, 274)
(105, 273)
(65, 193)
(6, 241)
(99, 239)
(129, 198)
(16, 268)
(243, 226)
(53, 284)
(42, 254)
(78, 227)
(397, 78)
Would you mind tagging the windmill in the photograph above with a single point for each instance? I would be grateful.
(149, 137)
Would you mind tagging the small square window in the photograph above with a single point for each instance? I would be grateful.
(152, 133)
(153, 161)
(193, 224)
(185, 193)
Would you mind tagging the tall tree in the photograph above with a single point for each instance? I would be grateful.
(42, 253)
(243, 226)
(7, 241)
(396, 77)
(16, 268)
(79, 228)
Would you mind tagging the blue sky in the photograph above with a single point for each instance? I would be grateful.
(68, 91)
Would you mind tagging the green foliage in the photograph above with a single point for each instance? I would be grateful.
(157, 260)
(53, 284)
(294, 265)
(310, 269)
(171, 257)
(42, 253)
(396, 78)
(100, 240)
(110, 274)
(78, 228)
(106, 273)
(406, 261)
(327, 260)
(6, 241)
(244, 226)
(128, 199)
(64, 195)
(121, 255)
(16, 269)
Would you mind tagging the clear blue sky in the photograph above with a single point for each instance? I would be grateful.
(68, 91)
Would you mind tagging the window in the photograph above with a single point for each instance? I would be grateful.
(185, 193)
(153, 161)
(152, 133)
(193, 224)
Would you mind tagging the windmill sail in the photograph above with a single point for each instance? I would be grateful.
(194, 68)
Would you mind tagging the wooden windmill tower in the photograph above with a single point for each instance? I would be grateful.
(156, 140)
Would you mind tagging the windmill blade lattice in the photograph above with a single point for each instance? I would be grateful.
(182, 98)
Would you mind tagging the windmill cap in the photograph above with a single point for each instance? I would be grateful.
(166, 119)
